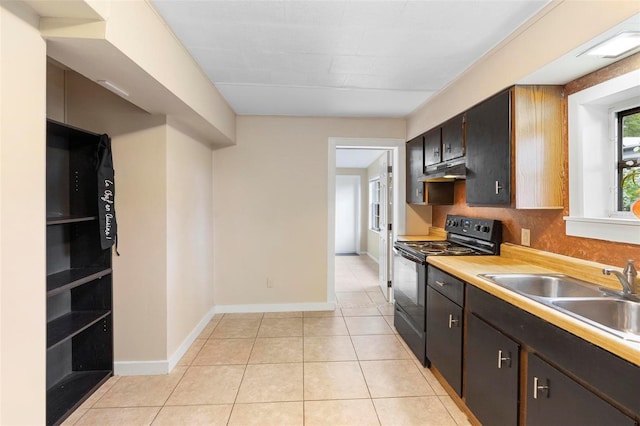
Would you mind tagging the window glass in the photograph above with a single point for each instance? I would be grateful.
(374, 205)
(629, 158)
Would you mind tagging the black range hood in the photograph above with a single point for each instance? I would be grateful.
(446, 172)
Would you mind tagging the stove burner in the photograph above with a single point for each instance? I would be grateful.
(459, 250)
(431, 251)
(429, 246)
(416, 244)
(440, 244)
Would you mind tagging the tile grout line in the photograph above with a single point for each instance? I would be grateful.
(185, 372)
(246, 366)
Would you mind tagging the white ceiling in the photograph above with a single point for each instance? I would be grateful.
(356, 158)
(339, 58)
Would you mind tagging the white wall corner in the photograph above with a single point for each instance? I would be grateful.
(139, 368)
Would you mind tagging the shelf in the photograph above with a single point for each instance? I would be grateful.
(67, 326)
(66, 395)
(66, 280)
(60, 220)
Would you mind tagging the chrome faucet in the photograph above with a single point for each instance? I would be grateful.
(627, 277)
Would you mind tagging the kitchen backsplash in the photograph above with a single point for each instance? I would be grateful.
(547, 230)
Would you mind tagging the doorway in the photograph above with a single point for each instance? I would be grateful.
(369, 268)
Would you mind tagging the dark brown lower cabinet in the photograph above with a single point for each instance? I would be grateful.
(492, 365)
(555, 399)
(567, 380)
(444, 337)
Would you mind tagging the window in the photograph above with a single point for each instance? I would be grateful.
(374, 205)
(603, 140)
(628, 164)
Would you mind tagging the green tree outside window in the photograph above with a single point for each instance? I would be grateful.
(630, 158)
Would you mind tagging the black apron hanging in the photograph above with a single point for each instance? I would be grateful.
(106, 195)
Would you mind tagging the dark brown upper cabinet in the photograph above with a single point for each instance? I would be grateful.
(453, 138)
(514, 149)
(415, 169)
(432, 147)
(488, 135)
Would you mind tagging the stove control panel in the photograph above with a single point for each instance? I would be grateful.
(484, 229)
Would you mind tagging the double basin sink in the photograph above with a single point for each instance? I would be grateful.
(602, 308)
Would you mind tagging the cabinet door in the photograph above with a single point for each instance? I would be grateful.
(453, 139)
(444, 337)
(432, 147)
(488, 137)
(492, 368)
(555, 399)
(415, 169)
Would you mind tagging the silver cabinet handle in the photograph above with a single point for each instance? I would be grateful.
(498, 187)
(448, 147)
(538, 388)
(503, 358)
(417, 192)
(452, 321)
(441, 284)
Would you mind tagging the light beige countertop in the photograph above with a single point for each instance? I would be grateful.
(435, 234)
(512, 260)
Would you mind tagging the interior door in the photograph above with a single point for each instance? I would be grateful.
(386, 219)
(347, 214)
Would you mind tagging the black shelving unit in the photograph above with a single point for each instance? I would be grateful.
(79, 274)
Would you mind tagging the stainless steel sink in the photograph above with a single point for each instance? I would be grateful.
(602, 308)
(622, 316)
(545, 285)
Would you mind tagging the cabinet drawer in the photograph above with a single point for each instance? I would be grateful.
(446, 284)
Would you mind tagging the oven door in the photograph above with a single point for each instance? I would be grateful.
(409, 288)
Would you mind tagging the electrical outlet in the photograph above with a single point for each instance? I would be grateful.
(269, 283)
(525, 237)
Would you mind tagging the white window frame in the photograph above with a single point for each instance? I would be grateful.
(592, 156)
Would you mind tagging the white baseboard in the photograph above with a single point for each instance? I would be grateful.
(186, 343)
(372, 258)
(138, 368)
(276, 307)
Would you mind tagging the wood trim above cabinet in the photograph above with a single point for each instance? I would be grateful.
(537, 149)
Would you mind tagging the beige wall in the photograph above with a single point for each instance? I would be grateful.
(559, 28)
(22, 214)
(189, 234)
(270, 210)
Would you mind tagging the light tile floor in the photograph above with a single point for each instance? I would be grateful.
(344, 367)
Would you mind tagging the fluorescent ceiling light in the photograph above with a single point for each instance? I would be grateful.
(112, 87)
(616, 46)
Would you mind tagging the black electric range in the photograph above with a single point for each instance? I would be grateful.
(466, 236)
